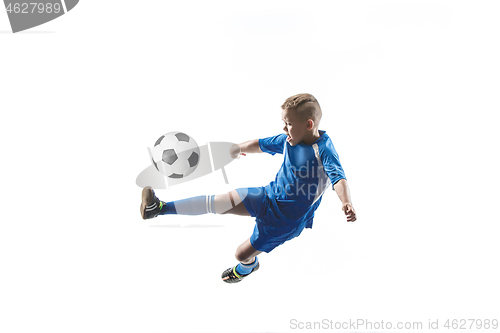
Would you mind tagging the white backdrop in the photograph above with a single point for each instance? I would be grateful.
(409, 92)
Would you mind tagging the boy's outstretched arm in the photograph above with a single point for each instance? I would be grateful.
(250, 147)
(342, 189)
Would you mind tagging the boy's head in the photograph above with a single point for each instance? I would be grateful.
(305, 107)
(301, 115)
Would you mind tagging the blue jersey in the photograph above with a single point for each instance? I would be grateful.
(307, 171)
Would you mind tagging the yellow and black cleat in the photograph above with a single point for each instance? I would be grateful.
(231, 276)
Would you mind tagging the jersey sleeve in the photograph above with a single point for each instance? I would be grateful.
(274, 144)
(332, 166)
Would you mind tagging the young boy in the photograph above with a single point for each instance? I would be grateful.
(286, 206)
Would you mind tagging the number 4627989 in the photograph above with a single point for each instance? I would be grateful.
(33, 7)
(471, 324)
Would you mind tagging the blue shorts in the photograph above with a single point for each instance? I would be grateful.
(272, 228)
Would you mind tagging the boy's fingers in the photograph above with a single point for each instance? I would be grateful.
(349, 212)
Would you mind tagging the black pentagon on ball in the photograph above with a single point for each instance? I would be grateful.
(159, 140)
(156, 166)
(169, 156)
(175, 175)
(193, 159)
(182, 137)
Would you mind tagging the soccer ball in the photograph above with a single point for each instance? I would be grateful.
(176, 154)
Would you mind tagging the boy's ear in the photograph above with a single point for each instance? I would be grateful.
(310, 124)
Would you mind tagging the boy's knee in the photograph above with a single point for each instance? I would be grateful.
(227, 202)
(222, 203)
(238, 255)
(241, 256)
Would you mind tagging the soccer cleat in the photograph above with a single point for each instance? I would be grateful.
(150, 205)
(231, 276)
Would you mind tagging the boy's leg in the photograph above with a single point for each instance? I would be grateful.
(228, 203)
(246, 254)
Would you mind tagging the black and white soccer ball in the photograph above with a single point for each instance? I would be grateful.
(176, 154)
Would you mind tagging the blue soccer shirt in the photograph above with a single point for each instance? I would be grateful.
(305, 174)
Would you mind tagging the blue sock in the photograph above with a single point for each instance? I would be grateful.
(167, 208)
(243, 269)
(202, 204)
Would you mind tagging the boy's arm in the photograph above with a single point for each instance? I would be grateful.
(250, 147)
(342, 189)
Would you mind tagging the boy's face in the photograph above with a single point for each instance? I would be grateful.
(295, 129)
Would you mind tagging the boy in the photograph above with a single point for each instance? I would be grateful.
(286, 206)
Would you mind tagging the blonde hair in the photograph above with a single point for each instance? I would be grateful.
(305, 105)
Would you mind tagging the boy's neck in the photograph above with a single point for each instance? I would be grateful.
(313, 138)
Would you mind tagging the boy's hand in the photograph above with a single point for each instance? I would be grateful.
(349, 212)
(235, 151)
